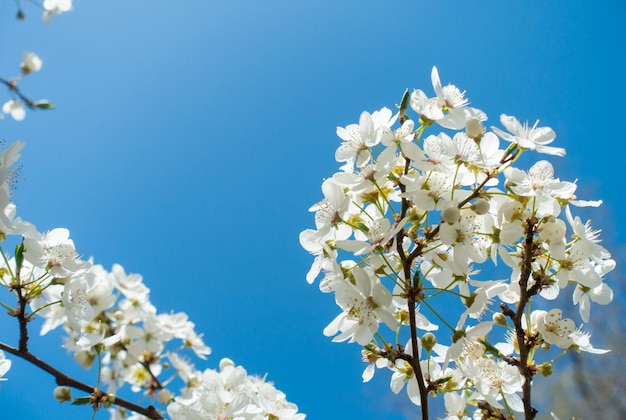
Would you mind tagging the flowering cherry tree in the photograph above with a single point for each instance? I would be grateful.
(107, 317)
(430, 229)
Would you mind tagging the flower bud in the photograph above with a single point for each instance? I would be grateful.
(499, 319)
(450, 213)
(474, 128)
(62, 394)
(225, 362)
(428, 341)
(480, 206)
(164, 396)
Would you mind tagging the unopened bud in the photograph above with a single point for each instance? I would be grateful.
(450, 213)
(474, 128)
(428, 341)
(164, 396)
(62, 394)
(480, 206)
(499, 319)
(225, 362)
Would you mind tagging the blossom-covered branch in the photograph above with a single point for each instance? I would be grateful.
(425, 232)
(107, 316)
(109, 319)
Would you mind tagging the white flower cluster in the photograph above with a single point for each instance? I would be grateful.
(110, 322)
(53, 8)
(409, 218)
(232, 394)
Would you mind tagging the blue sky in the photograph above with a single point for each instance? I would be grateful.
(190, 139)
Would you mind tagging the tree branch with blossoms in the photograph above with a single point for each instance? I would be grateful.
(97, 397)
(15, 106)
(406, 222)
(108, 316)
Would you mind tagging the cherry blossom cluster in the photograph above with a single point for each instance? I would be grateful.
(429, 228)
(107, 316)
(111, 324)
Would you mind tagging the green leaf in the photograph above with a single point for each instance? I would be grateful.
(417, 279)
(491, 348)
(19, 256)
(443, 380)
(43, 105)
(81, 401)
(404, 105)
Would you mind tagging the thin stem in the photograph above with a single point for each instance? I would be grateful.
(44, 307)
(437, 315)
(6, 261)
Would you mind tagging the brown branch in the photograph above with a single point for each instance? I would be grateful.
(22, 319)
(523, 344)
(64, 380)
(12, 86)
(415, 362)
(410, 291)
(22, 300)
(476, 191)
